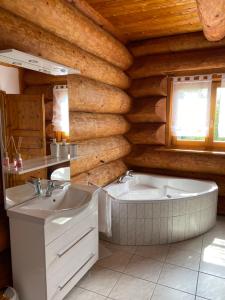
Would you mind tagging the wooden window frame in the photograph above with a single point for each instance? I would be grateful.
(208, 144)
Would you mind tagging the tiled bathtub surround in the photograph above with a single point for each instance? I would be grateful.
(162, 220)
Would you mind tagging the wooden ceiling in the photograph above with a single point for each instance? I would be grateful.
(142, 19)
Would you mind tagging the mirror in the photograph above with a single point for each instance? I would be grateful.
(34, 110)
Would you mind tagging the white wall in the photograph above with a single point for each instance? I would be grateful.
(9, 80)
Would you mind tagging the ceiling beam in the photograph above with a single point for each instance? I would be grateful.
(212, 16)
(95, 16)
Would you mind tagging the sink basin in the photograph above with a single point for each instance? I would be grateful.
(70, 197)
(18, 194)
(73, 200)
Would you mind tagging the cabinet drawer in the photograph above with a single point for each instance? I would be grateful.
(59, 247)
(70, 262)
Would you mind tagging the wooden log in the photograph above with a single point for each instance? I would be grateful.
(93, 153)
(49, 130)
(37, 79)
(172, 63)
(212, 16)
(186, 161)
(151, 86)
(92, 96)
(150, 134)
(95, 16)
(47, 89)
(101, 175)
(15, 30)
(148, 110)
(68, 23)
(85, 126)
(174, 43)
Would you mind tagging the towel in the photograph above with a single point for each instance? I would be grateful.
(104, 213)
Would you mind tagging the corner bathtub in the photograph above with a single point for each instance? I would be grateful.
(150, 209)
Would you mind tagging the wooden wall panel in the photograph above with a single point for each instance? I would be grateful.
(14, 33)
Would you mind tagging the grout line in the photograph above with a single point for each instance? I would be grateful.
(132, 255)
(164, 262)
(196, 289)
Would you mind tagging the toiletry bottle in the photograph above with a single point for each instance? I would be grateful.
(6, 160)
(64, 149)
(19, 161)
(54, 147)
(15, 162)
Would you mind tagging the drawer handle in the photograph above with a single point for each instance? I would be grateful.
(61, 253)
(61, 287)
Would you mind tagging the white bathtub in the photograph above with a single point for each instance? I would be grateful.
(150, 209)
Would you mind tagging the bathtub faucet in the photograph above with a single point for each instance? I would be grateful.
(128, 173)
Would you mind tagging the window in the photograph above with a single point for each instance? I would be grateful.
(198, 110)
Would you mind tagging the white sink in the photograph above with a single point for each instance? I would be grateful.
(70, 197)
(72, 200)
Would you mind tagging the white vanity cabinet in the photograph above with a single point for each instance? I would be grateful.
(49, 256)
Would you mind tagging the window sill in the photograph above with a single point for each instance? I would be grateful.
(194, 151)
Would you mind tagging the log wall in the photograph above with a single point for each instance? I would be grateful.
(59, 32)
(97, 126)
(154, 60)
(148, 113)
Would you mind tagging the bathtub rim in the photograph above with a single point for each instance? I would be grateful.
(212, 190)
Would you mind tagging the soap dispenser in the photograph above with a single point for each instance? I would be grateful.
(64, 149)
(54, 147)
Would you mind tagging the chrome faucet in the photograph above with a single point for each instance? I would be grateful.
(54, 185)
(128, 173)
(36, 182)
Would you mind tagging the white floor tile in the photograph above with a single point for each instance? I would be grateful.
(99, 280)
(131, 288)
(178, 278)
(117, 261)
(213, 258)
(194, 244)
(155, 252)
(211, 287)
(165, 293)
(144, 268)
(184, 258)
(81, 294)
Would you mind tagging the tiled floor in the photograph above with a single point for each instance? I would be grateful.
(190, 270)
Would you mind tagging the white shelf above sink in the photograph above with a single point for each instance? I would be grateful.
(38, 163)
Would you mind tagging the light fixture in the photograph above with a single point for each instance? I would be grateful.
(32, 62)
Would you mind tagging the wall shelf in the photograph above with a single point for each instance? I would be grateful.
(37, 163)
